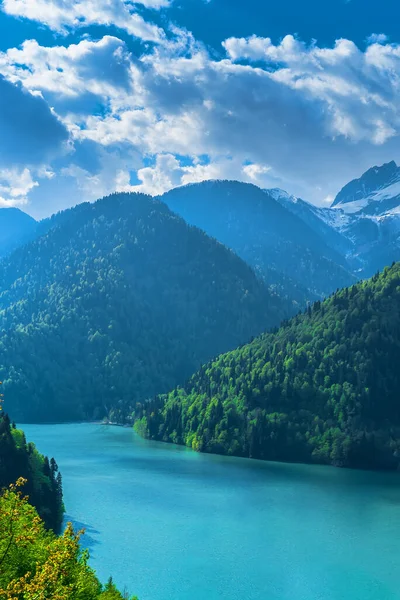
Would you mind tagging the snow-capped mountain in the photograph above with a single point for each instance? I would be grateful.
(375, 193)
(363, 222)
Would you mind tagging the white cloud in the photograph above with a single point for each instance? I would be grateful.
(304, 118)
(15, 185)
(101, 68)
(155, 4)
(377, 38)
(256, 171)
(168, 173)
(63, 15)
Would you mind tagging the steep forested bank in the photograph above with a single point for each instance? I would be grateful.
(324, 388)
(43, 480)
(118, 301)
(35, 563)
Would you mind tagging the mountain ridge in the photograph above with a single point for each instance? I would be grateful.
(263, 232)
(16, 228)
(116, 301)
(323, 388)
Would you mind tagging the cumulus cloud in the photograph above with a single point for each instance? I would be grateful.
(30, 133)
(302, 117)
(256, 171)
(77, 73)
(15, 185)
(357, 89)
(155, 4)
(169, 171)
(64, 15)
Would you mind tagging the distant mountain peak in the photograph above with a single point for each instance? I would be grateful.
(372, 181)
(279, 194)
(16, 228)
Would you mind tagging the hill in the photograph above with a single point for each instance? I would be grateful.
(118, 301)
(291, 256)
(16, 228)
(374, 193)
(43, 480)
(324, 388)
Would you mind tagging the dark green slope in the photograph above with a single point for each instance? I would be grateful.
(117, 301)
(21, 459)
(324, 388)
(292, 257)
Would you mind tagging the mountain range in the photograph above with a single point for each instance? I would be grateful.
(301, 251)
(115, 302)
(111, 303)
(363, 223)
(324, 388)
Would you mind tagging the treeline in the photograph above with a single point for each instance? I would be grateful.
(35, 563)
(324, 388)
(115, 302)
(19, 458)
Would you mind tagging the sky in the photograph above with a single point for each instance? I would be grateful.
(98, 96)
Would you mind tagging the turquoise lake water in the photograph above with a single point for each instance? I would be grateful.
(170, 524)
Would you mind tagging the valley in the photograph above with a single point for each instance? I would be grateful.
(199, 300)
(225, 320)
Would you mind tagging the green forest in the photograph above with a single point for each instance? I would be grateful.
(116, 302)
(291, 256)
(322, 388)
(43, 479)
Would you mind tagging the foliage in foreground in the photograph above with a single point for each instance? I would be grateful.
(36, 564)
(324, 388)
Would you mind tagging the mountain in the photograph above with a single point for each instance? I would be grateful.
(16, 228)
(363, 223)
(374, 193)
(324, 388)
(291, 256)
(117, 301)
(324, 222)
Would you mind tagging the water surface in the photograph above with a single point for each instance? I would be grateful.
(170, 524)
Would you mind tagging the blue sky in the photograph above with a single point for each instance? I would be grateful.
(105, 95)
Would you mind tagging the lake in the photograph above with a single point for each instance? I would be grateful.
(170, 524)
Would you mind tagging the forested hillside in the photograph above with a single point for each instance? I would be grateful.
(291, 256)
(118, 301)
(324, 388)
(21, 459)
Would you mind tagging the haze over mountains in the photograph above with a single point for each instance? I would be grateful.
(108, 304)
(289, 254)
(16, 228)
(115, 302)
(364, 220)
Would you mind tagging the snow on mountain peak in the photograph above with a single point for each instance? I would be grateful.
(375, 192)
